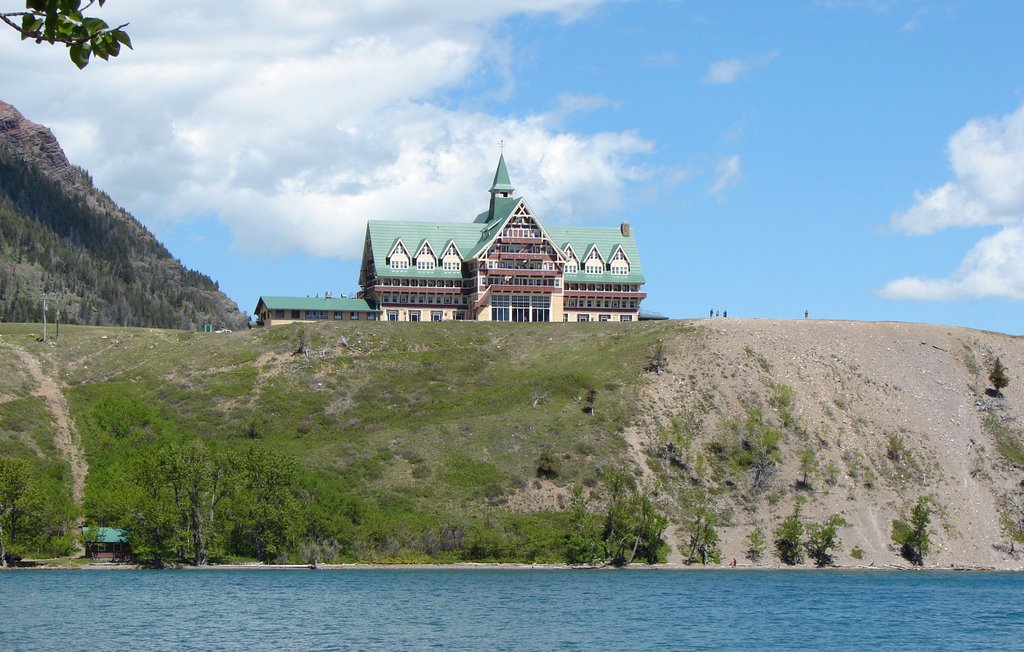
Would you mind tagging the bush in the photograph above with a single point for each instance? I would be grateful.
(913, 536)
(823, 538)
(789, 539)
(756, 545)
(548, 465)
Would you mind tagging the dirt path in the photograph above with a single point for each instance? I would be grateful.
(66, 439)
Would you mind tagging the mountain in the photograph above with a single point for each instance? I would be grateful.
(96, 264)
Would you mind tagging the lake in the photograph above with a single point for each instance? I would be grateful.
(510, 609)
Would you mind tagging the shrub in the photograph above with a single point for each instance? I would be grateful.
(548, 465)
(756, 545)
(913, 536)
(998, 376)
(823, 538)
(789, 539)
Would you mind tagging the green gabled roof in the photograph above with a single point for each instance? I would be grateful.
(384, 234)
(105, 534)
(606, 239)
(315, 303)
(502, 208)
(501, 180)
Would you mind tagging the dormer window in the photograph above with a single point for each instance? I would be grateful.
(426, 263)
(572, 267)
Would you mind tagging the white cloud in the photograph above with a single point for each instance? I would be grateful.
(987, 157)
(727, 175)
(994, 267)
(296, 125)
(726, 71)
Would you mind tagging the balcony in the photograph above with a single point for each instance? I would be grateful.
(587, 294)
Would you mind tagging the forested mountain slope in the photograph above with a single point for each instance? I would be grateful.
(97, 264)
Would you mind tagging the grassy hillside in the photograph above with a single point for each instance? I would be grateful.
(437, 424)
(463, 440)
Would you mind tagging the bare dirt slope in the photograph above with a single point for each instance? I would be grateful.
(892, 411)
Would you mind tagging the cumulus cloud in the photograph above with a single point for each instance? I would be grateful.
(727, 174)
(726, 71)
(994, 267)
(295, 126)
(987, 157)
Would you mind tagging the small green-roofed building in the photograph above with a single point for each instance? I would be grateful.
(273, 311)
(107, 543)
(504, 265)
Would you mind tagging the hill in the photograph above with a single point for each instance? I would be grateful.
(97, 264)
(463, 440)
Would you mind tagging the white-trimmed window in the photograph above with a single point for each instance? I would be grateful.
(426, 262)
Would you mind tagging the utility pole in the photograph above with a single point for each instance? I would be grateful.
(45, 297)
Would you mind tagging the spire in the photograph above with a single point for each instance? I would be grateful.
(502, 186)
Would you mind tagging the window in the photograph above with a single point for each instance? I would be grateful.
(279, 314)
(337, 314)
(296, 314)
(425, 262)
(371, 316)
(594, 266)
(436, 315)
(604, 318)
(625, 317)
(460, 315)
(414, 315)
(392, 315)
(583, 317)
(500, 308)
(354, 316)
(565, 316)
(399, 262)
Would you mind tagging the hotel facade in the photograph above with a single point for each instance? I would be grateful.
(503, 266)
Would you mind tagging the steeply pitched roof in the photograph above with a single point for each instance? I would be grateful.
(315, 303)
(501, 181)
(607, 240)
(383, 234)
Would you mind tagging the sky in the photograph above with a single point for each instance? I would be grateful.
(856, 159)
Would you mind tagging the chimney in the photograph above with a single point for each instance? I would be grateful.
(624, 229)
(328, 295)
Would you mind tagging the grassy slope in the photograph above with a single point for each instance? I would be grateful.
(452, 418)
(439, 417)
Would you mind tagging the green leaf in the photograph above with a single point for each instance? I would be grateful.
(80, 54)
(122, 38)
(30, 25)
(94, 25)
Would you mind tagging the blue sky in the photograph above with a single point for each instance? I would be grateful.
(857, 159)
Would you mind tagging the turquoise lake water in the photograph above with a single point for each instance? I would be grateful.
(498, 609)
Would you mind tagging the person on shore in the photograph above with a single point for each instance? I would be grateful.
(805, 314)
(711, 313)
(725, 314)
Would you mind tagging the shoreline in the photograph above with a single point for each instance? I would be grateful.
(674, 567)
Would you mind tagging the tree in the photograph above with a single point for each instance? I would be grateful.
(583, 543)
(1012, 519)
(913, 536)
(703, 545)
(14, 490)
(998, 376)
(63, 21)
(632, 526)
(789, 538)
(267, 510)
(822, 538)
(756, 545)
(198, 478)
(808, 466)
